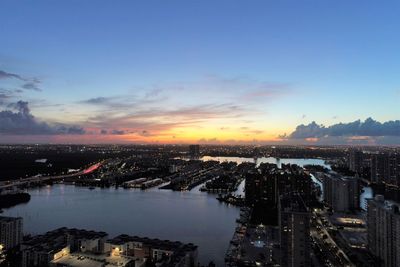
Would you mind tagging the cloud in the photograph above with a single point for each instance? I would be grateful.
(156, 121)
(208, 141)
(97, 100)
(369, 127)
(7, 75)
(163, 108)
(18, 120)
(117, 132)
(103, 131)
(31, 86)
(5, 95)
(153, 93)
(29, 83)
(144, 133)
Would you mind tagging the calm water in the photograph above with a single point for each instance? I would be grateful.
(185, 216)
(193, 216)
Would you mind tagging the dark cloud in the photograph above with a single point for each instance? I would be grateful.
(5, 95)
(31, 86)
(7, 75)
(18, 120)
(29, 83)
(145, 133)
(97, 100)
(369, 127)
(117, 132)
(103, 132)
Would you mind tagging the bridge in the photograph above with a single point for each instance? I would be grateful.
(40, 179)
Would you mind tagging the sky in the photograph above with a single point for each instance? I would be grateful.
(229, 72)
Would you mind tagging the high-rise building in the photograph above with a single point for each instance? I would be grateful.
(194, 151)
(10, 232)
(385, 168)
(394, 170)
(356, 161)
(383, 221)
(294, 225)
(341, 193)
(379, 168)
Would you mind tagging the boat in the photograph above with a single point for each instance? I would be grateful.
(91, 187)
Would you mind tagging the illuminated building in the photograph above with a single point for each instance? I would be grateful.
(54, 245)
(160, 251)
(294, 225)
(10, 232)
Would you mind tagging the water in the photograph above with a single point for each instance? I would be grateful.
(193, 216)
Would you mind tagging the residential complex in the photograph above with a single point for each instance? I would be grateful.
(75, 247)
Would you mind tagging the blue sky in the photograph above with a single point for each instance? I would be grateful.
(278, 63)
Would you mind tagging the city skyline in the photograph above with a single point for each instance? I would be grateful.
(178, 72)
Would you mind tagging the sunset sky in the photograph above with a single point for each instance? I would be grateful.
(258, 72)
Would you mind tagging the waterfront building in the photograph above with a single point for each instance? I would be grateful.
(53, 245)
(294, 225)
(10, 232)
(75, 247)
(162, 252)
(383, 221)
(341, 192)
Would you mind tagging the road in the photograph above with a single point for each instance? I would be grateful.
(320, 235)
(40, 179)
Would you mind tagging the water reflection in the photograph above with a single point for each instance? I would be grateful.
(193, 216)
(185, 216)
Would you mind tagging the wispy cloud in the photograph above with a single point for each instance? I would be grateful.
(8, 75)
(28, 83)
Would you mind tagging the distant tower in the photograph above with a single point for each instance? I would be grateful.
(194, 151)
